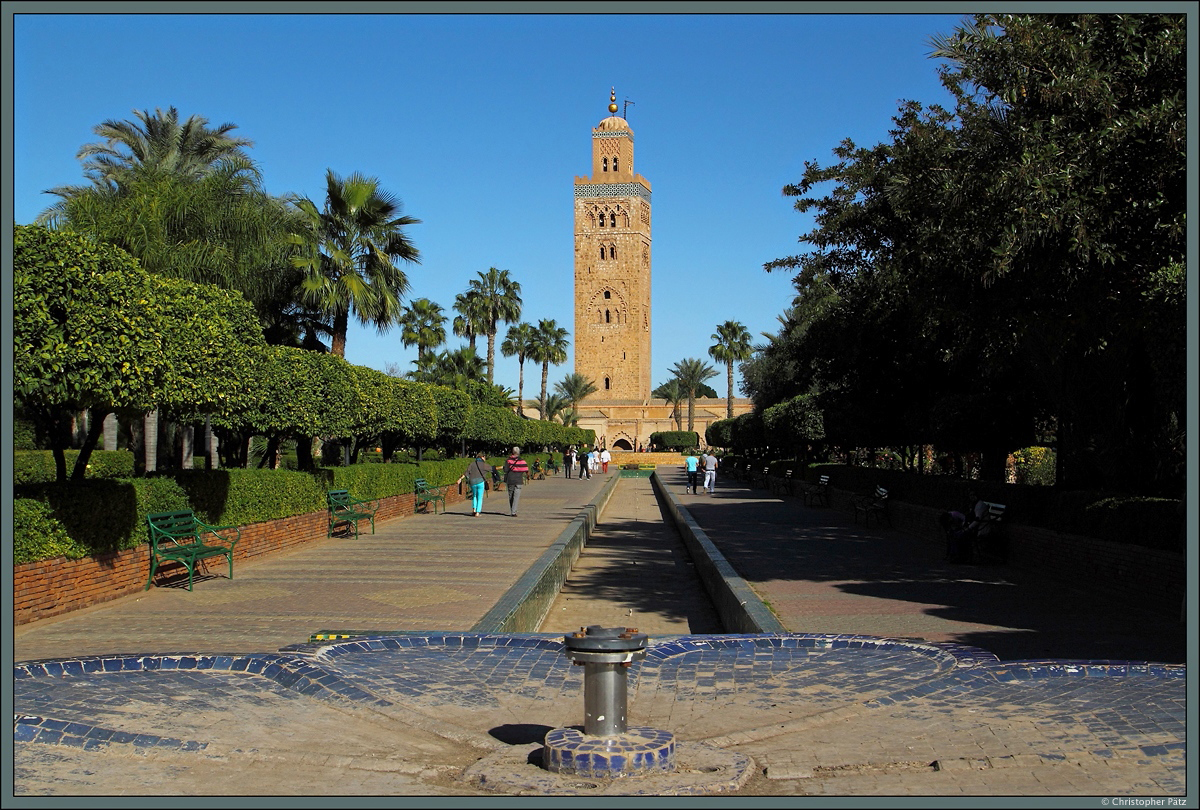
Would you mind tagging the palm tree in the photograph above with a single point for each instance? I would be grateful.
(673, 393)
(469, 323)
(575, 387)
(499, 300)
(453, 369)
(160, 144)
(423, 325)
(557, 406)
(349, 253)
(691, 374)
(732, 346)
(549, 347)
(517, 343)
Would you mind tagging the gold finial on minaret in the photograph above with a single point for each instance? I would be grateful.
(612, 102)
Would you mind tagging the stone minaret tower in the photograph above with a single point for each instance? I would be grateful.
(612, 267)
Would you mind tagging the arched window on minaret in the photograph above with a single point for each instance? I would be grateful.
(607, 316)
(612, 219)
(601, 219)
(602, 251)
(604, 163)
(615, 159)
(607, 295)
(612, 251)
(607, 383)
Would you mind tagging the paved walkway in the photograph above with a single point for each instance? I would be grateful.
(253, 710)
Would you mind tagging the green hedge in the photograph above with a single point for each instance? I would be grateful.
(38, 535)
(675, 439)
(37, 466)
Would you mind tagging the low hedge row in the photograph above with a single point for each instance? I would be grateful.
(79, 519)
(37, 466)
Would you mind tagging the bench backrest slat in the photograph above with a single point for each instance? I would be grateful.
(995, 511)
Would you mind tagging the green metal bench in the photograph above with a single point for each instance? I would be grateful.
(344, 509)
(816, 493)
(783, 486)
(874, 504)
(426, 494)
(180, 538)
(988, 543)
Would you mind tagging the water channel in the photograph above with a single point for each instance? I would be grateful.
(634, 572)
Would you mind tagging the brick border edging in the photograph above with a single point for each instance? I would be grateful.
(56, 586)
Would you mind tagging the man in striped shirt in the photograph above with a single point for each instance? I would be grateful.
(515, 470)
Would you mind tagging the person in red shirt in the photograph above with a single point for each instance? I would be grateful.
(515, 470)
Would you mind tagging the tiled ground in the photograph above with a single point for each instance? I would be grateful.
(818, 714)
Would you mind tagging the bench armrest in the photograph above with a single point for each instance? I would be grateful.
(204, 528)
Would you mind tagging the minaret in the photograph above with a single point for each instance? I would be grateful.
(612, 267)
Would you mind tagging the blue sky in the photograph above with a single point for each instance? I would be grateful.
(479, 124)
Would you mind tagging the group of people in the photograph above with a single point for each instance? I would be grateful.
(705, 463)
(516, 471)
(587, 461)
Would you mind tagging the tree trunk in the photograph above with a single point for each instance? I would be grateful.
(95, 429)
(729, 400)
(542, 406)
(304, 456)
(187, 440)
(341, 324)
(521, 387)
(150, 440)
(212, 444)
(110, 432)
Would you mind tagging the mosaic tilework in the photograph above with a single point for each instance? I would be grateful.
(1131, 712)
(613, 190)
(638, 751)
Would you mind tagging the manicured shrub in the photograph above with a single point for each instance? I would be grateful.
(37, 466)
(38, 535)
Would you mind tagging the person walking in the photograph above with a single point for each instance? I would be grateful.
(605, 457)
(569, 460)
(710, 472)
(693, 474)
(585, 465)
(515, 470)
(476, 476)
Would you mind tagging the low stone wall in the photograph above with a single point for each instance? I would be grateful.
(736, 603)
(56, 586)
(524, 606)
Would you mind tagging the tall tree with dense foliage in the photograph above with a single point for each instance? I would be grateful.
(187, 202)
(93, 330)
(350, 250)
(498, 298)
(732, 346)
(691, 373)
(549, 348)
(1017, 258)
(423, 325)
(517, 343)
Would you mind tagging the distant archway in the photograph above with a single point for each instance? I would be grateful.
(622, 444)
